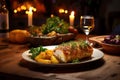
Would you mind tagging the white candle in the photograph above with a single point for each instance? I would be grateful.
(30, 14)
(71, 18)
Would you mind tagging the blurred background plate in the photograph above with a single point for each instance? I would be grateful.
(53, 40)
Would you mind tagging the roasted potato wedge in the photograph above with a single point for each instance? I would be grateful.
(44, 61)
(54, 60)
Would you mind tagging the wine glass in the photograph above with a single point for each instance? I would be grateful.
(87, 25)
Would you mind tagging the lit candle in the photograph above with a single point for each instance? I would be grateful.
(30, 13)
(71, 18)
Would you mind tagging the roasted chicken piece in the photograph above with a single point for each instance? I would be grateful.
(72, 50)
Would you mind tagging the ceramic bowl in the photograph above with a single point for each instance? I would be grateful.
(110, 48)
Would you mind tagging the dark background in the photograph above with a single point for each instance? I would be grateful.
(106, 13)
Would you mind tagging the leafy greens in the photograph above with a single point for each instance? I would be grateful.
(36, 51)
(55, 24)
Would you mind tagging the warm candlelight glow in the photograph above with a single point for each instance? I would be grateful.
(15, 11)
(52, 15)
(66, 11)
(34, 9)
(72, 13)
(61, 10)
(24, 8)
(18, 9)
(71, 18)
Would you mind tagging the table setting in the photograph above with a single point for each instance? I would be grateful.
(56, 50)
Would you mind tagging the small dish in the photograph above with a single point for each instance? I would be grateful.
(111, 48)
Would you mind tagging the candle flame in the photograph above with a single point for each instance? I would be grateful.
(30, 9)
(72, 13)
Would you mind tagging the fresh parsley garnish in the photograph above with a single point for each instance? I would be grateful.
(36, 51)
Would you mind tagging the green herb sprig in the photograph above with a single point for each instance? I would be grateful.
(36, 51)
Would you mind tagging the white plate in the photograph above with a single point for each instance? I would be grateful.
(97, 54)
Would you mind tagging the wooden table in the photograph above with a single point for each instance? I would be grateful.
(13, 67)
